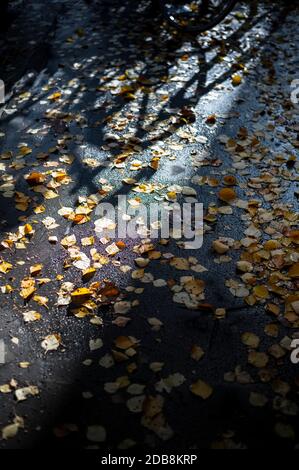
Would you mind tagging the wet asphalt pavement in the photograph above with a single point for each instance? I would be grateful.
(79, 49)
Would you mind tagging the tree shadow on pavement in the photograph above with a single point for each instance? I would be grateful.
(142, 39)
(134, 36)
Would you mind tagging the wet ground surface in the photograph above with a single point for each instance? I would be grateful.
(194, 351)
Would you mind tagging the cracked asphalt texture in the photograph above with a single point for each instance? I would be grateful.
(37, 51)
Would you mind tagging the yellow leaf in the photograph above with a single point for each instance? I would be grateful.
(10, 431)
(27, 292)
(272, 308)
(197, 352)
(79, 219)
(28, 230)
(155, 163)
(68, 241)
(194, 286)
(88, 273)
(35, 269)
(220, 247)
(125, 342)
(211, 119)
(88, 241)
(39, 209)
(31, 316)
(271, 245)
(22, 207)
(230, 180)
(41, 300)
(50, 194)
(201, 389)
(24, 150)
(24, 365)
(261, 292)
(251, 340)
(5, 267)
(81, 295)
(54, 96)
(227, 195)
(294, 271)
(129, 96)
(171, 195)
(35, 178)
(5, 388)
(236, 80)
(258, 359)
(51, 342)
(180, 263)
(7, 289)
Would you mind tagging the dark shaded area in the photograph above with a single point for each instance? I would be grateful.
(229, 408)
